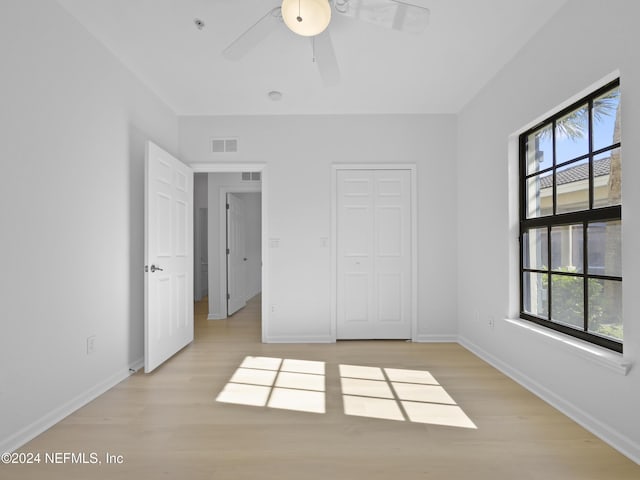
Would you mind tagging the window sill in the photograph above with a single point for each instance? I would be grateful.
(606, 358)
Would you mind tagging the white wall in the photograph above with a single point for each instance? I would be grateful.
(299, 152)
(73, 124)
(583, 43)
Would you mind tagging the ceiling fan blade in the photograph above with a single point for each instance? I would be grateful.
(253, 35)
(325, 58)
(392, 14)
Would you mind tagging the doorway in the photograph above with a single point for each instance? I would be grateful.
(216, 230)
(243, 252)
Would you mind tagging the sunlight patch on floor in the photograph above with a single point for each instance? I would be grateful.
(264, 363)
(410, 376)
(372, 407)
(287, 384)
(385, 393)
(300, 400)
(240, 394)
(302, 381)
(422, 393)
(354, 371)
(253, 377)
(303, 366)
(366, 388)
(436, 414)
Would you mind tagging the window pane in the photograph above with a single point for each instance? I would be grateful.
(606, 114)
(534, 288)
(567, 300)
(572, 187)
(540, 150)
(607, 175)
(572, 135)
(539, 196)
(535, 247)
(567, 248)
(604, 242)
(605, 308)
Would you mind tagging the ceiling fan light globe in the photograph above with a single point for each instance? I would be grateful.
(315, 15)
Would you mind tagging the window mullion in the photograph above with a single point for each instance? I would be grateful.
(591, 179)
(585, 271)
(553, 175)
(549, 256)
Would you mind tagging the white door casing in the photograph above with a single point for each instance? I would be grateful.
(373, 254)
(168, 256)
(236, 254)
(204, 253)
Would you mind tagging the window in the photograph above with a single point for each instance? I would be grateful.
(571, 220)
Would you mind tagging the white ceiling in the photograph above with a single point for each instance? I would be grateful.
(382, 71)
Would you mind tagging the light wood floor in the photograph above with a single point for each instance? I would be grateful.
(167, 425)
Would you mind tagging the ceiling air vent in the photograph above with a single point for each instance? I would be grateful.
(250, 176)
(224, 145)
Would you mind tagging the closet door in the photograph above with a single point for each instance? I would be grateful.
(373, 254)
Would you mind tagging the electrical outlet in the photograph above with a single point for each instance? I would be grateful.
(91, 344)
(491, 322)
(273, 309)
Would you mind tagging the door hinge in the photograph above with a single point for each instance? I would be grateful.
(227, 206)
(228, 296)
(228, 251)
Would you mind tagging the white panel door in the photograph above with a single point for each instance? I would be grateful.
(168, 325)
(236, 254)
(373, 254)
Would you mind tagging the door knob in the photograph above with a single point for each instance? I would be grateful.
(154, 268)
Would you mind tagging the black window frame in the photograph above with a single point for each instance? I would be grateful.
(582, 217)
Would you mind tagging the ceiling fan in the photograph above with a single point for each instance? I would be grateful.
(311, 18)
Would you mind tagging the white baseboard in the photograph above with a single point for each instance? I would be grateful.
(422, 338)
(215, 316)
(135, 366)
(299, 339)
(618, 441)
(31, 431)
